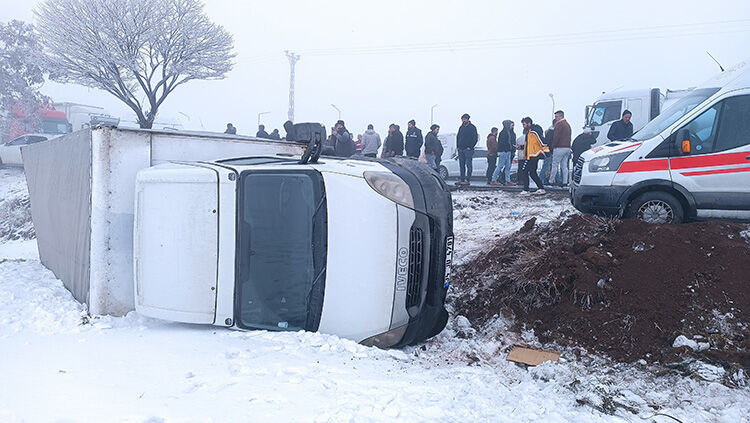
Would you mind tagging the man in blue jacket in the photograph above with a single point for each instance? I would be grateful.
(466, 140)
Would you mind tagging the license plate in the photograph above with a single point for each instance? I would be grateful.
(448, 260)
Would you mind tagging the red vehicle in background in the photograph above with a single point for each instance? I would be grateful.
(50, 121)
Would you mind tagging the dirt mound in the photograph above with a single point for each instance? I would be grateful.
(623, 288)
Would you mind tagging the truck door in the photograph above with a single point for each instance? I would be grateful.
(603, 114)
(717, 168)
(176, 243)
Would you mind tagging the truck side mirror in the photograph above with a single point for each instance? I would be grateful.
(682, 141)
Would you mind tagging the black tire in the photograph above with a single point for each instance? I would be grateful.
(443, 172)
(656, 207)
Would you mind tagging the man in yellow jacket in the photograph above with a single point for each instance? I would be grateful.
(534, 149)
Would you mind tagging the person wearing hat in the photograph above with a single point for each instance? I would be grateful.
(413, 139)
(433, 148)
(582, 143)
(466, 140)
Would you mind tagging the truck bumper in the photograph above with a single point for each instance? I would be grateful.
(431, 238)
(595, 199)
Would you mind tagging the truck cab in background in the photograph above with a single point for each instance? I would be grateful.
(645, 104)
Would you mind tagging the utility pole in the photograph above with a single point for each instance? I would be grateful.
(292, 61)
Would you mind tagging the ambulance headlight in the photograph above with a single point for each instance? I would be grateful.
(609, 163)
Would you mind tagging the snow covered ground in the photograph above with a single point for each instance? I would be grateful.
(57, 364)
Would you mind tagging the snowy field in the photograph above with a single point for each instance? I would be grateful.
(60, 365)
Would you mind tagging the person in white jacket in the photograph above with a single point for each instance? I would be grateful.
(370, 142)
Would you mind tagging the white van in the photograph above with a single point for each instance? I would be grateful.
(359, 248)
(692, 161)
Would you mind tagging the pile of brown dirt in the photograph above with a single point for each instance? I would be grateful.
(623, 288)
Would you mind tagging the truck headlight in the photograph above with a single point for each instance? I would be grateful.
(391, 187)
(608, 163)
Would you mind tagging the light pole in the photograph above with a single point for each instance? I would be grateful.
(337, 109)
(552, 97)
(432, 109)
(261, 114)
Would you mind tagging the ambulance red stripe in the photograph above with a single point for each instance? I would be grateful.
(716, 171)
(710, 160)
(677, 163)
(644, 166)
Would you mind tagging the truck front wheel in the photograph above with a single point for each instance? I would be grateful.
(656, 207)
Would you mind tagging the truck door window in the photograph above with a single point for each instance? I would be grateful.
(734, 126)
(604, 112)
(282, 228)
(702, 131)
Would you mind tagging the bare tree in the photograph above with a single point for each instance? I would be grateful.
(137, 50)
(21, 76)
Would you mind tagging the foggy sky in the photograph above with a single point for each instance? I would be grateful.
(493, 84)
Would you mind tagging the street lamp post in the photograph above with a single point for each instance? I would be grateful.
(552, 97)
(432, 109)
(337, 109)
(261, 114)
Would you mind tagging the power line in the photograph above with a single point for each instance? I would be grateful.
(588, 37)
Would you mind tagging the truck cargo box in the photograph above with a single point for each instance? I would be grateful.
(82, 188)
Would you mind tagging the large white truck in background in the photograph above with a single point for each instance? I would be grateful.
(645, 104)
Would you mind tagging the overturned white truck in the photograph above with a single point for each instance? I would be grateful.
(82, 191)
(269, 239)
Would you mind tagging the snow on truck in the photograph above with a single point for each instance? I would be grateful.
(161, 222)
(645, 104)
(692, 161)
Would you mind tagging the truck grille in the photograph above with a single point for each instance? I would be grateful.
(578, 170)
(414, 281)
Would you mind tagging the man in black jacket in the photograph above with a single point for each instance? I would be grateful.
(433, 148)
(413, 139)
(621, 129)
(466, 139)
(261, 132)
(582, 143)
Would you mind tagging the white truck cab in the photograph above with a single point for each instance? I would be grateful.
(692, 161)
(645, 105)
(359, 248)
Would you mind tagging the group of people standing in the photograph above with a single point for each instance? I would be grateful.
(553, 146)
(533, 145)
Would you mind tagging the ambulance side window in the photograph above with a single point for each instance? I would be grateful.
(702, 131)
(734, 126)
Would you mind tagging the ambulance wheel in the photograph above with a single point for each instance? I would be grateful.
(656, 207)
(443, 171)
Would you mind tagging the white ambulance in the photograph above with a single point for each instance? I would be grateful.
(691, 162)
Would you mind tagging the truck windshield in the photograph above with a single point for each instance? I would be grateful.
(603, 112)
(281, 250)
(671, 114)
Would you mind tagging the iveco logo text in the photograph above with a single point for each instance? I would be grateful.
(403, 269)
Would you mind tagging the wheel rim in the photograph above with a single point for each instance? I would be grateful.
(443, 172)
(656, 211)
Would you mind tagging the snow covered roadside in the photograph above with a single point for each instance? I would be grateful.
(483, 215)
(57, 364)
